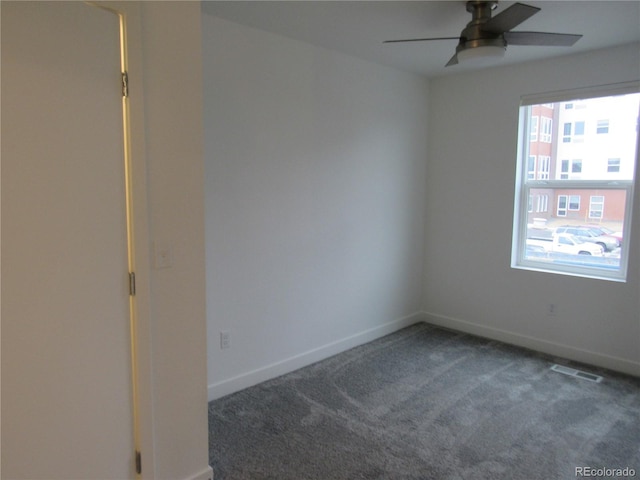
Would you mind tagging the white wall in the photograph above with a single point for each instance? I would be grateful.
(315, 168)
(469, 284)
(172, 63)
(166, 96)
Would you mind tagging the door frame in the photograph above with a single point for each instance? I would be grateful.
(129, 14)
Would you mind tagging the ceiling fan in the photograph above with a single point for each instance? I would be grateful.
(487, 36)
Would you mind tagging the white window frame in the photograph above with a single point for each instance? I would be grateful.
(561, 211)
(571, 202)
(544, 167)
(542, 204)
(592, 204)
(524, 187)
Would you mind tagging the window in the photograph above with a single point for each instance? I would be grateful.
(542, 203)
(531, 167)
(534, 128)
(566, 132)
(583, 183)
(613, 165)
(572, 132)
(576, 166)
(547, 127)
(562, 206)
(602, 126)
(564, 170)
(574, 202)
(596, 206)
(544, 165)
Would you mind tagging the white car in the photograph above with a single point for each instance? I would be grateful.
(565, 243)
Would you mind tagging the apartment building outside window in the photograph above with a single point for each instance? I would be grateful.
(575, 181)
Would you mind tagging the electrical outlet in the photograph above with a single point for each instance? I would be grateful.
(225, 340)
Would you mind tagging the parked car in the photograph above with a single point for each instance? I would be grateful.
(607, 232)
(565, 243)
(588, 234)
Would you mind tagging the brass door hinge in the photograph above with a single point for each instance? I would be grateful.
(132, 283)
(138, 463)
(125, 84)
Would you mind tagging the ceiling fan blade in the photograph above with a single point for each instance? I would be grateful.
(453, 60)
(421, 39)
(509, 18)
(541, 38)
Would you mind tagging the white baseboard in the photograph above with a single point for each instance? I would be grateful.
(248, 379)
(206, 474)
(544, 346)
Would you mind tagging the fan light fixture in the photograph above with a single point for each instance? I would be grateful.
(483, 54)
(485, 38)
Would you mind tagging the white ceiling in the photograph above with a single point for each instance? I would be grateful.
(358, 28)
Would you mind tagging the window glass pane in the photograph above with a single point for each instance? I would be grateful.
(576, 166)
(591, 235)
(574, 202)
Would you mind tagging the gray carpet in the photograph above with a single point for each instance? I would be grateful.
(427, 403)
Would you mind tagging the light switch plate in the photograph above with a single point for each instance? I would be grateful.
(163, 256)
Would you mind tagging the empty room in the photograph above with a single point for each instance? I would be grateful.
(320, 240)
(357, 189)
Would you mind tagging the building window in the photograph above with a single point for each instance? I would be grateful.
(544, 165)
(576, 166)
(613, 165)
(574, 202)
(534, 128)
(566, 132)
(602, 126)
(561, 211)
(572, 132)
(546, 129)
(573, 173)
(531, 167)
(596, 206)
(542, 205)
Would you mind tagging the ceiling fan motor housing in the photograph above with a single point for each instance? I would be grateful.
(473, 36)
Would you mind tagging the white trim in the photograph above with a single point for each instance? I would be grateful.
(580, 93)
(248, 379)
(206, 474)
(545, 346)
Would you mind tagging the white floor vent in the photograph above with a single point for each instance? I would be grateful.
(577, 373)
